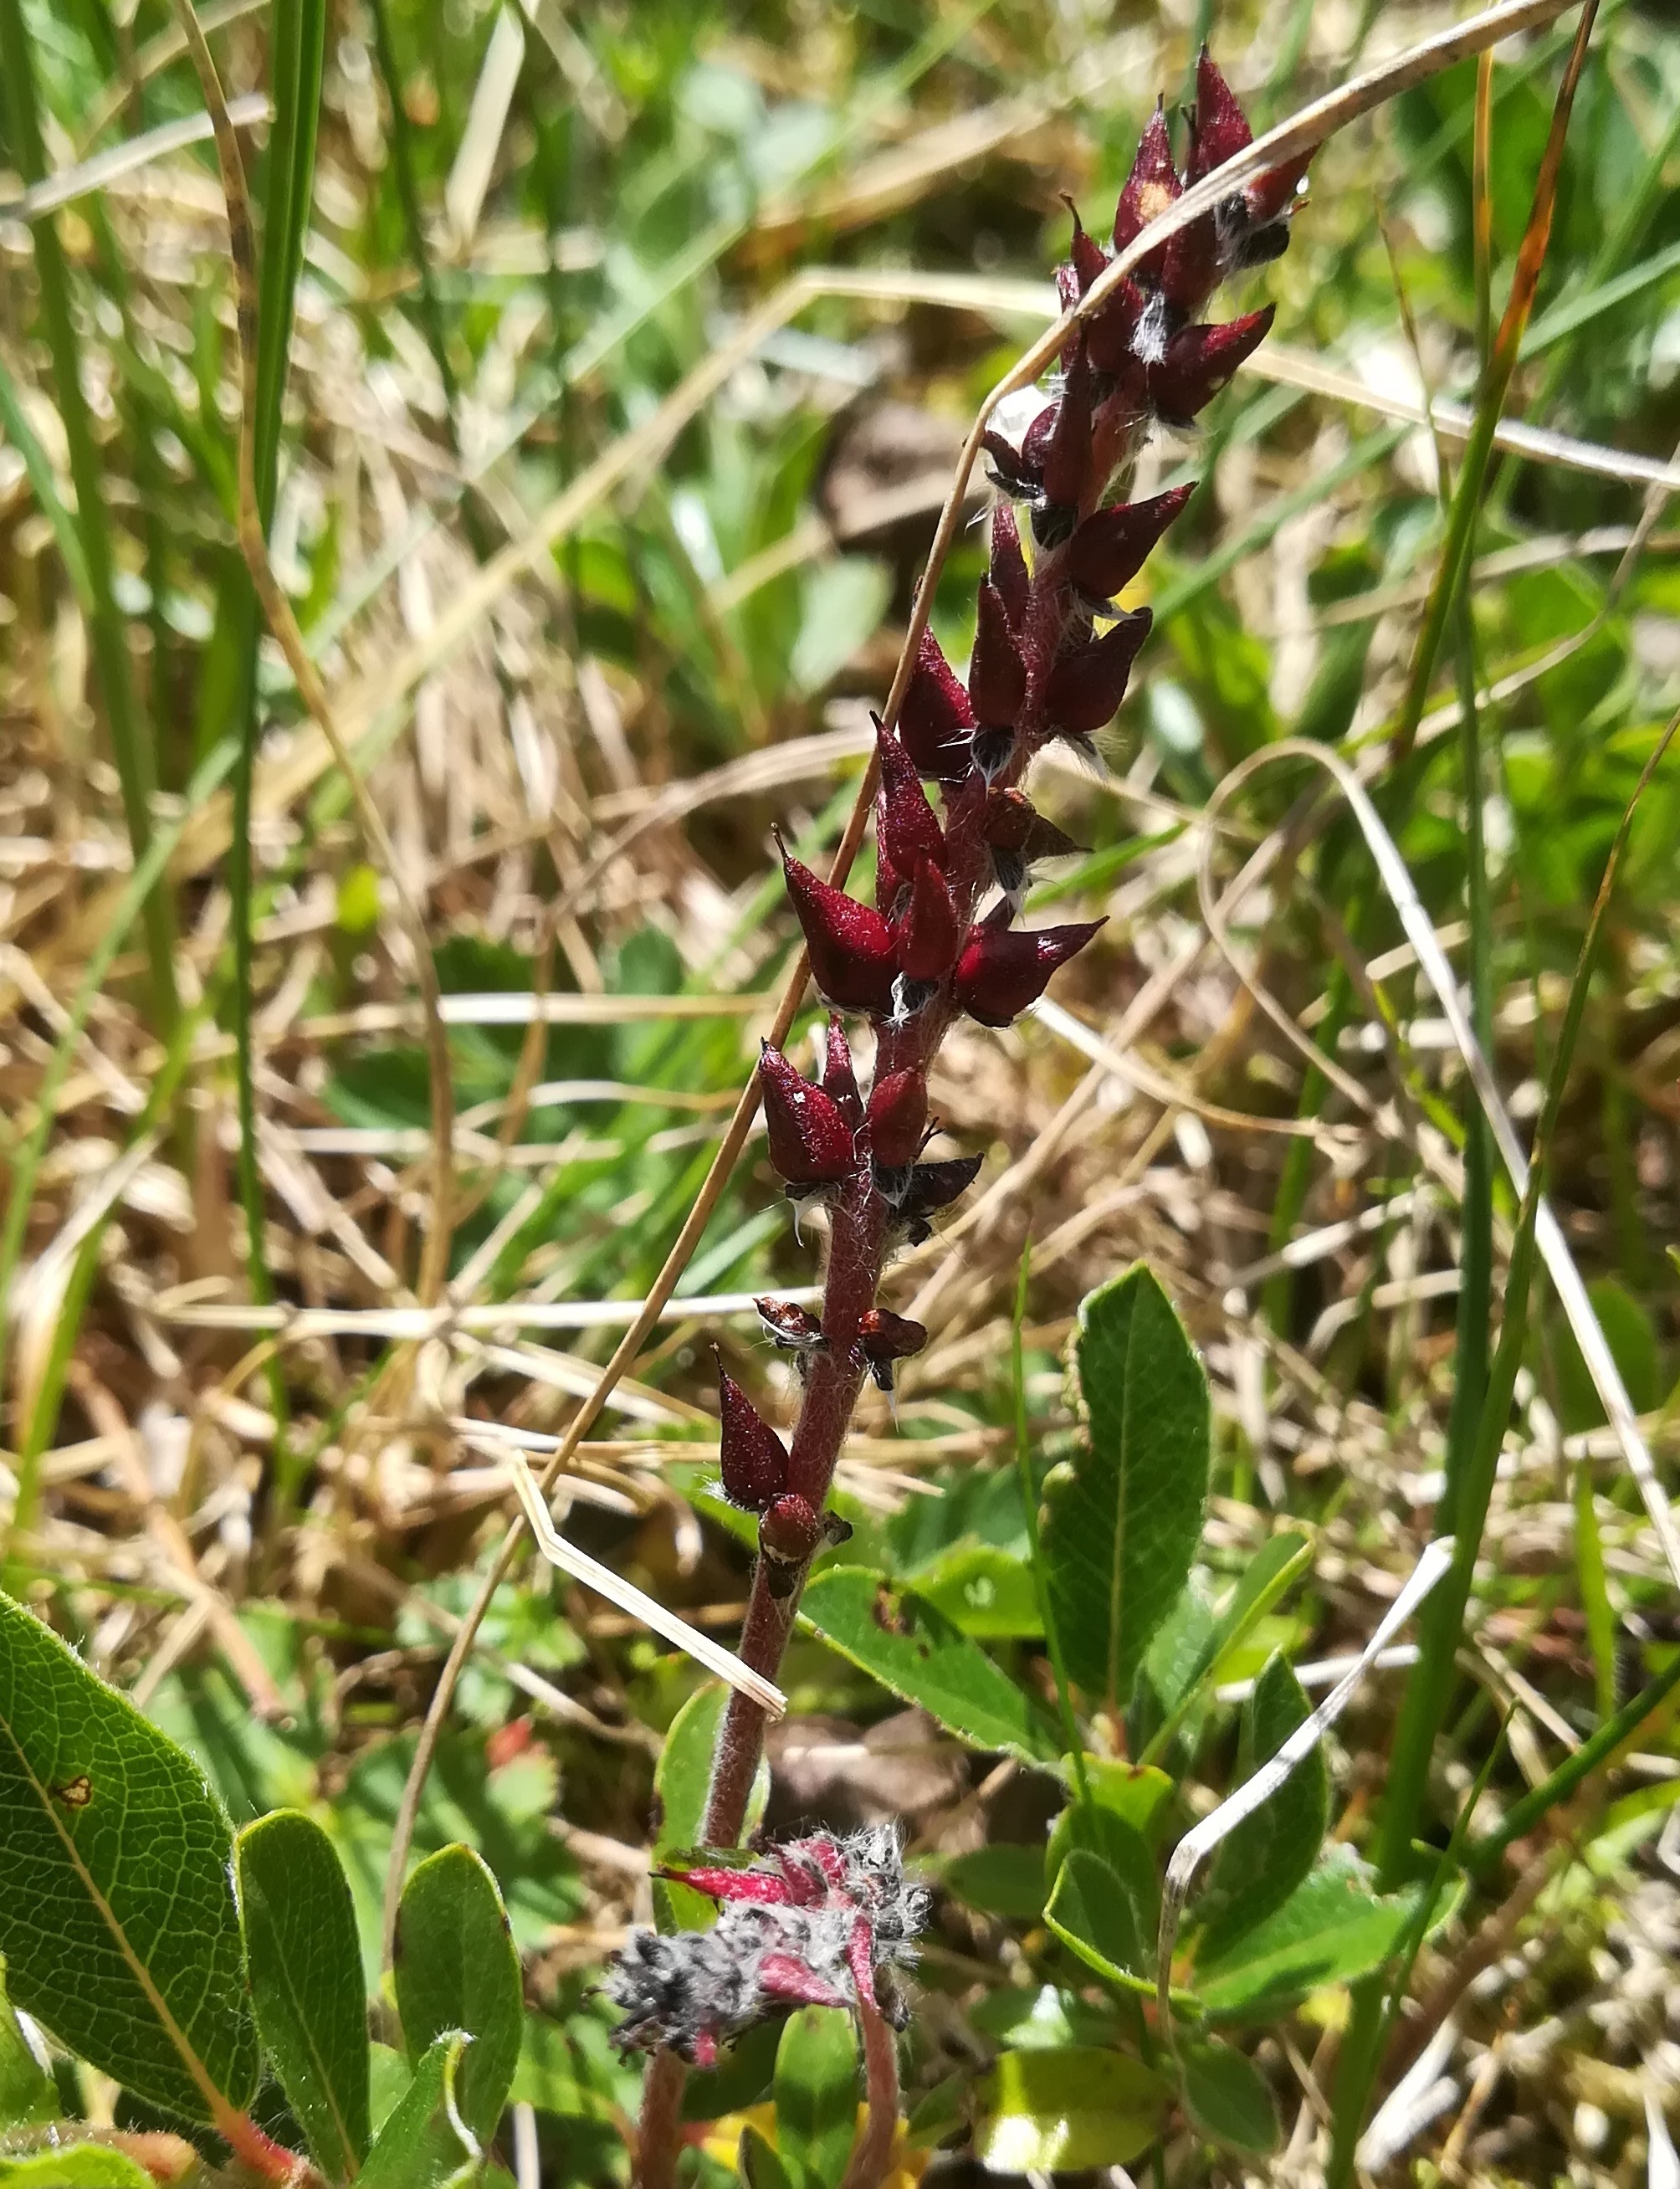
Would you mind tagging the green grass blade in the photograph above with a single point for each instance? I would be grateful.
(130, 746)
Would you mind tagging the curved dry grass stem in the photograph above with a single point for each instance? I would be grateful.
(1305, 130)
(277, 612)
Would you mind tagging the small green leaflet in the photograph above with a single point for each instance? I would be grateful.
(1123, 1519)
(117, 1924)
(1331, 1928)
(424, 2144)
(815, 2088)
(457, 1969)
(1065, 2108)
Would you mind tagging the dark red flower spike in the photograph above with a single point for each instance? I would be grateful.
(753, 1458)
(809, 1141)
(1008, 565)
(1086, 686)
(997, 673)
(837, 1078)
(906, 829)
(1199, 360)
(850, 944)
(898, 1119)
(935, 719)
(1112, 545)
(1003, 969)
(927, 932)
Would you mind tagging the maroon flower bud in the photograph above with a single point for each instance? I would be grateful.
(1085, 254)
(837, 1079)
(935, 1185)
(1152, 185)
(810, 1141)
(935, 718)
(1003, 969)
(997, 673)
(885, 1339)
(850, 944)
(789, 1327)
(1068, 478)
(753, 1457)
(1219, 129)
(1085, 688)
(1199, 360)
(1037, 440)
(789, 1530)
(1009, 564)
(1008, 469)
(1110, 548)
(1111, 332)
(1011, 823)
(1192, 266)
(907, 829)
(927, 933)
(899, 1117)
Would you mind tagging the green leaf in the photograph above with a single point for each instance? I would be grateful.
(1135, 1793)
(117, 1923)
(27, 2091)
(1066, 2109)
(1123, 1521)
(425, 2143)
(988, 1592)
(1268, 1855)
(1095, 1912)
(915, 1651)
(1226, 2096)
(816, 2089)
(999, 1880)
(682, 1781)
(1331, 1928)
(456, 1968)
(306, 1982)
(76, 2166)
(760, 2167)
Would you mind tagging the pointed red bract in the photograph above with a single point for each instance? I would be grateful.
(935, 1185)
(1086, 688)
(850, 944)
(1110, 548)
(809, 1141)
(1219, 129)
(761, 1888)
(1008, 565)
(898, 1119)
(1152, 186)
(1013, 823)
(907, 828)
(1003, 969)
(1068, 478)
(997, 673)
(1085, 254)
(883, 1335)
(1109, 332)
(781, 1976)
(753, 1458)
(935, 718)
(837, 1079)
(927, 933)
(1274, 193)
(1201, 359)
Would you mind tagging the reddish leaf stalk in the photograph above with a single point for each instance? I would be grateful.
(1041, 671)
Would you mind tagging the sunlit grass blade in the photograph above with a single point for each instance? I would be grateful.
(130, 745)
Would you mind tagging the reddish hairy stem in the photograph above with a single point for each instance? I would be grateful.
(872, 2153)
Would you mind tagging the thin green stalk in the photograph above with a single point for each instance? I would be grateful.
(297, 38)
(1029, 1506)
(1522, 1816)
(1442, 1623)
(129, 746)
(1491, 399)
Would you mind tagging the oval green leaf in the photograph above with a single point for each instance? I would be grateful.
(27, 2092)
(117, 1924)
(758, 2165)
(456, 1968)
(306, 1982)
(1095, 1917)
(77, 2166)
(816, 2089)
(1123, 1519)
(1332, 1928)
(425, 2143)
(916, 1652)
(1227, 2096)
(1066, 2109)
